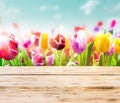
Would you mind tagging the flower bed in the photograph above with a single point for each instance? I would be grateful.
(100, 47)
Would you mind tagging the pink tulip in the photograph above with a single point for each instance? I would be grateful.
(26, 43)
(30, 43)
(118, 35)
(50, 60)
(37, 57)
(111, 51)
(113, 23)
(50, 57)
(8, 47)
(78, 42)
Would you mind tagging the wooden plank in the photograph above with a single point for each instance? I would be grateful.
(60, 85)
(36, 81)
(60, 70)
(59, 89)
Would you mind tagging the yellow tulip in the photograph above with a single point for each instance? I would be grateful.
(67, 43)
(117, 45)
(44, 44)
(103, 42)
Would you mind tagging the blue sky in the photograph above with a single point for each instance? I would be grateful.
(45, 14)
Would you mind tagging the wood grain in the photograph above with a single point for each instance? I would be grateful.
(60, 70)
(60, 85)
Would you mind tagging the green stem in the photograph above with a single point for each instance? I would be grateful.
(3, 61)
(101, 61)
(45, 53)
(80, 59)
(105, 60)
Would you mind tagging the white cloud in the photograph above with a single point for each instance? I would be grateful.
(116, 7)
(89, 6)
(51, 8)
(43, 8)
(8, 11)
(58, 16)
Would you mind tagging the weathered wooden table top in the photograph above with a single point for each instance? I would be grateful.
(60, 85)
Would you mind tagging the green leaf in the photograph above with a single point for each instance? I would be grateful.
(101, 61)
(118, 60)
(79, 59)
(118, 63)
(111, 31)
(27, 60)
(0, 62)
(113, 61)
(56, 59)
(88, 53)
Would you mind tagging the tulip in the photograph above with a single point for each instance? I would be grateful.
(100, 23)
(117, 45)
(67, 48)
(67, 43)
(44, 43)
(30, 43)
(27, 43)
(113, 24)
(77, 28)
(37, 57)
(96, 29)
(50, 57)
(8, 47)
(58, 42)
(111, 51)
(103, 42)
(78, 42)
(37, 34)
(118, 35)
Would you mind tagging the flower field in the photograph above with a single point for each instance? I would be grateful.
(79, 48)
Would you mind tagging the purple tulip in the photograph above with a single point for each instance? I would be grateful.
(78, 42)
(96, 29)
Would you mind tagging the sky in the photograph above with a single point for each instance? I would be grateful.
(47, 14)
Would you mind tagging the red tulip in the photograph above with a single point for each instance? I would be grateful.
(100, 23)
(58, 42)
(36, 33)
(8, 47)
(77, 28)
